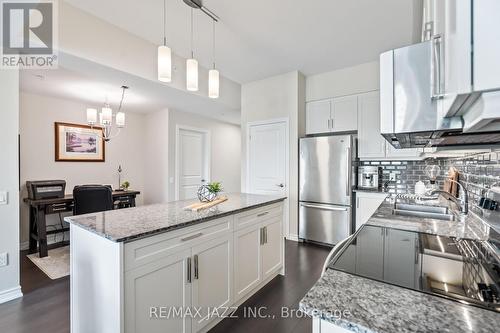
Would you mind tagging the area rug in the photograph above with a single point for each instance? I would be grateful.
(55, 265)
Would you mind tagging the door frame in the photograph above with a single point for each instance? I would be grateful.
(207, 148)
(286, 121)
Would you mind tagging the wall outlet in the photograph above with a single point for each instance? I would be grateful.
(4, 259)
(392, 176)
(4, 197)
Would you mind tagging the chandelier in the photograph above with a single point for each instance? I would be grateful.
(106, 119)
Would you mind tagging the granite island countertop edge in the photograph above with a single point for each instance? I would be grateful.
(134, 237)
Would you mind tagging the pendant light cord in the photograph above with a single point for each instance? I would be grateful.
(213, 43)
(192, 24)
(164, 22)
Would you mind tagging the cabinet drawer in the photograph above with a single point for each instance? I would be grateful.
(255, 216)
(147, 250)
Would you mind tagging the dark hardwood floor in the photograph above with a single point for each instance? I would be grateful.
(45, 305)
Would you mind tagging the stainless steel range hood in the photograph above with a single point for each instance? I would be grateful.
(410, 113)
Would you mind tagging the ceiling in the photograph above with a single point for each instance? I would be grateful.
(92, 84)
(261, 38)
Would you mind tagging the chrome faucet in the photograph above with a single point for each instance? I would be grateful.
(463, 204)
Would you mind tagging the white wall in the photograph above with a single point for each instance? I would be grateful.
(279, 96)
(156, 161)
(347, 81)
(9, 181)
(225, 149)
(37, 116)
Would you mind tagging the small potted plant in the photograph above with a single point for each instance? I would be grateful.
(209, 192)
(125, 185)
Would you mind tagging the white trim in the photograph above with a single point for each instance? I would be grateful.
(286, 121)
(208, 157)
(293, 237)
(10, 294)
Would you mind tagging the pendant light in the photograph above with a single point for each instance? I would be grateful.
(192, 65)
(213, 74)
(164, 52)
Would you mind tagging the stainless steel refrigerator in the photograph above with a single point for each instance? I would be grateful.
(326, 180)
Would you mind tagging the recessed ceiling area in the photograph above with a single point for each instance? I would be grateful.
(87, 82)
(261, 38)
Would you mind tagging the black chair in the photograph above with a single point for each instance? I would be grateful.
(92, 199)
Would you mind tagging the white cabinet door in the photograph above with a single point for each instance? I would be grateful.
(272, 247)
(318, 117)
(162, 283)
(409, 153)
(400, 258)
(370, 143)
(247, 261)
(486, 46)
(345, 113)
(370, 252)
(366, 205)
(212, 275)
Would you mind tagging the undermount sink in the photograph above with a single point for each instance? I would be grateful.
(432, 212)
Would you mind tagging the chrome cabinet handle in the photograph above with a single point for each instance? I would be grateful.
(437, 68)
(191, 237)
(196, 271)
(262, 214)
(323, 207)
(265, 235)
(189, 270)
(280, 185)
(349, 172)
(261, 236)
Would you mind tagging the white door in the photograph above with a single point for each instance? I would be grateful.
(318, 117)
(272, 252)
(345, 114)
(162, 283)
(370, 143)
(247, 260)
(267, 158)
(212, 272)
(193, 154)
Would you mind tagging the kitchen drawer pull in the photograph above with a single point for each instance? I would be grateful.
(196, 274)
(324, 207)
(262, 214)
(191, 237)
(189, 270)
(265, 235)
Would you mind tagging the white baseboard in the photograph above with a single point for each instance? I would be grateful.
(294, 238)
(10, 294)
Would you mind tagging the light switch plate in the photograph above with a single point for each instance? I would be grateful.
(4, 259)
(4, 197)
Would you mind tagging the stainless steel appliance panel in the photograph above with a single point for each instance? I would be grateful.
(325, 169)
(415, 109)
(322, 223)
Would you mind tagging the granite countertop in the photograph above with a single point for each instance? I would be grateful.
(372, 306)
(380, 307)
(472, 227)
(138, 222)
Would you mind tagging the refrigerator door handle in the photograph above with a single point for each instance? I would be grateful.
(349, 172)
(323, 207)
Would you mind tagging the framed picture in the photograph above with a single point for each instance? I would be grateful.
(79, 143)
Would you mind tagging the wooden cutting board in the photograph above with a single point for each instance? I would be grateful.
(449, 186)
(204, 205)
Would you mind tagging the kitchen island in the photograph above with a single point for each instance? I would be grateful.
(162, 268)
(359, 295)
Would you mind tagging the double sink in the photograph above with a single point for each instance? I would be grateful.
(422, 211)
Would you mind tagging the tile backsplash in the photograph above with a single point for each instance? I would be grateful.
(479, 172)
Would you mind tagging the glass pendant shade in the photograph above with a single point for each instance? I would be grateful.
(107, 115)
(120, 119)
(192, 75)
(91, 116)
(164, 63)
(213, 83)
